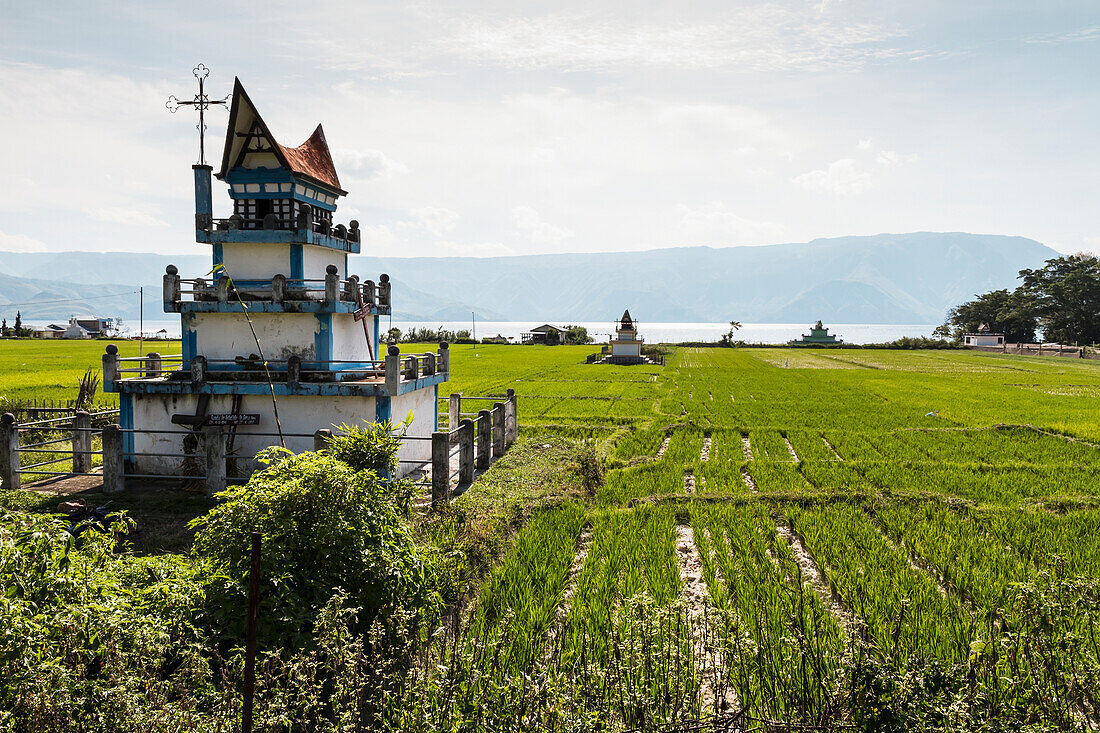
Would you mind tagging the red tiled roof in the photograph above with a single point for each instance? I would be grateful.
(312, 158)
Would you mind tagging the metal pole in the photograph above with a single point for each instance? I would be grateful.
(141, 321)
(250, 634)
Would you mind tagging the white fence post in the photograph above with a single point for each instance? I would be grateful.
(498, 429)
(511, 427)
(484, 430)
(9, 452)
(454, 410)
(215, 459)
(113, 479)
(466, 452)
(82, 442)
(441, 468)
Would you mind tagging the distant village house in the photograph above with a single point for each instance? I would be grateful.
(544, 334)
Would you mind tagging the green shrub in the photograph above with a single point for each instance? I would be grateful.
(325, 526)
(370, 448)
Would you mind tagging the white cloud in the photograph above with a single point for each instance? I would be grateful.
(750, 38)
(530, 225)
(21, 243)
(715, 224)
(1077, 35)
(435, 220)
(891, 158)
(841, 178)
(124, 215)
(865, 143)
(366, 164)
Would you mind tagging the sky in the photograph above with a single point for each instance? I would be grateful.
(467, 128)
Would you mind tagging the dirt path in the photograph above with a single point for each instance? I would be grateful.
(704, 454)
(813, 575)
(790, 449)
(830, 447)
(747, 479)
(746, 446)
(696, 599)
(664, 446)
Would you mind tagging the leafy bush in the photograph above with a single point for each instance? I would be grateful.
(370, 448)
(325, 526)
(90, 641)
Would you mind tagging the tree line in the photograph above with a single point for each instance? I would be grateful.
(1061, 300)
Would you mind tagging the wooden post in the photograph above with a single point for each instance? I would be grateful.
(393, 370)
(250, 634)
(110, 368)
(441, 468)
(498, 429)
(152, 365)
(113, 478)
(484, 429)
(429, 364)
(466, 452)
(454, 410)
(82, 442)
(9, 452)
(321, 440)
(368, 293)
(215, 459)
(411, 368)
(511, 428)
(331, 281)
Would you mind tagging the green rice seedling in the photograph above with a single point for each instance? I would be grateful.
(957, 546)
(528, 583)
(783, 648)
(905, 613)
(809, 445)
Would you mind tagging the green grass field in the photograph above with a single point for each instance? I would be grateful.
(812, 536)
(921, 487)
(35, 369)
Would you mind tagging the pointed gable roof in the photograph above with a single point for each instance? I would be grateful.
(626, 321)
(311, 159)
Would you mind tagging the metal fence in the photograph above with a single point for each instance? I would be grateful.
(70, 439)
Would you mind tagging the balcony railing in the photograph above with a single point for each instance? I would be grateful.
(374, 297)
(394, 369)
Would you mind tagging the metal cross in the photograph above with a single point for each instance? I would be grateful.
(201, 102)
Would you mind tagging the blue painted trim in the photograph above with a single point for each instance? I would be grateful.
(263, 306)
(277, 236)
(204, 197)
(190, 344)
(381, 409)
(219, 257)
(126, 422)
(322, 340)
(296, 266)
(333, 388)
(377, 355)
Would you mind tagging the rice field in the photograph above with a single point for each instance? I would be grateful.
(813, 538)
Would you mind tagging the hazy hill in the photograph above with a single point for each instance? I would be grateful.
(887, 278)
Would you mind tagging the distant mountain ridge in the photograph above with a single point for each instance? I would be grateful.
(886, 278)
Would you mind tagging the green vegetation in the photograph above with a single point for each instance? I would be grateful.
(891, 540)
(47, 370)
(1062, 299)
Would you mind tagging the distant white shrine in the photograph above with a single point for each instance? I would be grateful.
(626, 344)
(281, 339)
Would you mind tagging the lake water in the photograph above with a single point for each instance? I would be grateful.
(768, 333)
